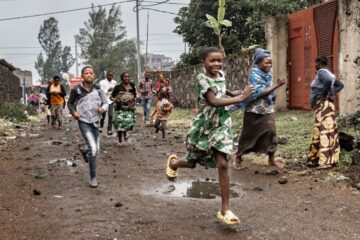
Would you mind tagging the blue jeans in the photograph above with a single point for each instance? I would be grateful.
(146, 103)
(90, 134)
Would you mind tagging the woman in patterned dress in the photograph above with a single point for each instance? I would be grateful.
(324, 148)
(124, 95)
(259, 131)
(209, 141)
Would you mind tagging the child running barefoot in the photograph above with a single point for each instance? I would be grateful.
(209, 141)
(162, 111)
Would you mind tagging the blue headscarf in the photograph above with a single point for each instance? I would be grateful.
(260, 54)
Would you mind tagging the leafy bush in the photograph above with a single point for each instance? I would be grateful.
(13, 111)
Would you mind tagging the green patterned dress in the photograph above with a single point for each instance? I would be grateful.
(211, 127)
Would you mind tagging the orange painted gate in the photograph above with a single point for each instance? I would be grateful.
(312, 32)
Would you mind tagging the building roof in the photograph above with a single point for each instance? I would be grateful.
(6, 64)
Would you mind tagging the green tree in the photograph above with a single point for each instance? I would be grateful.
(248, 19)
(103, 43)
(58, 60)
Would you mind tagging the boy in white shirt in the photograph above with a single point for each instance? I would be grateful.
(107, 85)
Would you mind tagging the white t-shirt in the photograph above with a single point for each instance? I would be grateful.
(105, 85)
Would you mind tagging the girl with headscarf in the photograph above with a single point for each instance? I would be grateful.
(259, 131)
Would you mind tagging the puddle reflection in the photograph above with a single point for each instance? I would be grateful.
(197, 189)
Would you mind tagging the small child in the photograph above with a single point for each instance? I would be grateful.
(210, 139)
(162, 111)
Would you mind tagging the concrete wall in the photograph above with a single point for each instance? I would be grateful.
(236, 67)
(349, 57)
(277, 43)
(10, 90)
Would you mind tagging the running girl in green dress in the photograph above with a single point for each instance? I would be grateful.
(209, 141)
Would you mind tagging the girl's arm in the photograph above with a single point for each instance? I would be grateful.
(233, 93)
(220, 102)
(153, 113)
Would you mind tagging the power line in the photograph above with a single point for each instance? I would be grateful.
(157, 10)
(170, 3)
(64, 11)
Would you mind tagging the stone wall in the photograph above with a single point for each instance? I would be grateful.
(10, 90)
(236, 67)
(349, 57)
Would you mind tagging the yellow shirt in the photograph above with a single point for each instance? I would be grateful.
(56, 99)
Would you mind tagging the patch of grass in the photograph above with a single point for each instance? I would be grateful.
(13, 112)
(180, 118)
(345, 159)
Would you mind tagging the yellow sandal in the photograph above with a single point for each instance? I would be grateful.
(170, 173)
(228, 218)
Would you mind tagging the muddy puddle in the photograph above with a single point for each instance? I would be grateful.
(195, 189)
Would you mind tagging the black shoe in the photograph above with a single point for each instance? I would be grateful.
(157, 130)
(110, 133)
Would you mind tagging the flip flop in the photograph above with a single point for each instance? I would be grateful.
(228, 218)
(170, 173)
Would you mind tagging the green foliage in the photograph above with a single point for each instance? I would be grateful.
(13, 112)
(57, 60)
(217, 24)
(31, 110)
(103, 44)
(345, 159)
(248, 18)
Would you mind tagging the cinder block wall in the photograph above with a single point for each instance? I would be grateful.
(236, 67)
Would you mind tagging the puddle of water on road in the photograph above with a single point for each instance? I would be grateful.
(196, 189)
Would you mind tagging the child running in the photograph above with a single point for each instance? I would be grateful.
(162, 111)
(209, 141)
(124, 96)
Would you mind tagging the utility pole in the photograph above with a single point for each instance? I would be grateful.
(185, 47)
(138, 41)
(76, 59)
(147, 38)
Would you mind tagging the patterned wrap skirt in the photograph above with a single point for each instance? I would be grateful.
(124, 120)
(324, 147)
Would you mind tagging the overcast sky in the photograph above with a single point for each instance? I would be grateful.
(18, 38)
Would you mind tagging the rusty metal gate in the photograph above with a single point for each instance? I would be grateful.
(312, 32)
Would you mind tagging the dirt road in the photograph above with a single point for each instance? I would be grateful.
(44, 194)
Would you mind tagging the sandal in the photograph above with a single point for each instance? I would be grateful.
(228, 218)
(170, 173)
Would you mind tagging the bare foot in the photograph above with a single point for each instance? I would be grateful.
(277, 164)
(238, 163)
